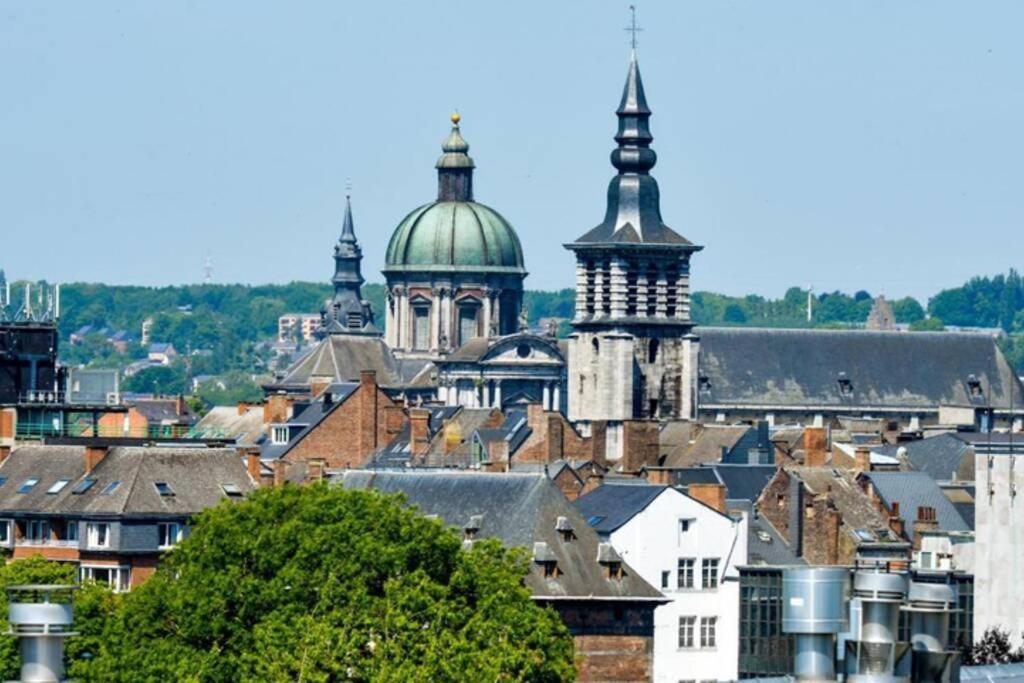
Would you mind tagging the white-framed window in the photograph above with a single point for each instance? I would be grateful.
(708, 631)
(168, 534)
(5, 531)
(58, 486)
(71, 530)
(709, 573)
(37, 531)
(97, 534)
(279, 435)
(117, 577)
(687, 626)
(684, 573)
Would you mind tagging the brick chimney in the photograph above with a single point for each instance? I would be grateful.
(279, 472)
(8, 424)
(815, 447)
(554, 437)
(254, 466)
(278, 408)
(862, 459)
(419, 431)
(895, 521)
(5, 452)
(598, 441)
(368, 398)
(243, 407)
(835, 521)
(712, 495)
(927, 520)
(640, 444)
(93, 456)
(659, 475)
(179, 405)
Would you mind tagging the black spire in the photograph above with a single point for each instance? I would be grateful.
(634, 203)
(346, 312)
(455, 167)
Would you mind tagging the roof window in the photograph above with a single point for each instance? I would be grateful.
(163, 488)
(974, 386)
(84, 485)
(110, 488)
(231, 490)
(564, 527)
(845, 384)
(28, 485)
(3, 480)
(58, 486)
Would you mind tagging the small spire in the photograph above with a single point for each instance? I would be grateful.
(348, 230)
(455, 167)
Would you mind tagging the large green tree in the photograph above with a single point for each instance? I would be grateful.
(323, 584)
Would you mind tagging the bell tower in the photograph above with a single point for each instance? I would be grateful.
(633, 352)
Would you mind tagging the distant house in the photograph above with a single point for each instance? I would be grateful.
(605, 602)
(120, 340)
(94, 386)
(162, 354)
(112, 512)
(149, 418)
(691, 549)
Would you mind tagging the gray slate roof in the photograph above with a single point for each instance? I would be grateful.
(887, 370)
(519, 510)
(939, 456)
(341, 357)
(913, 490)
(195, 475)
(609, 506)
(745, 482)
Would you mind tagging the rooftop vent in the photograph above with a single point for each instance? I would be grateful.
(564, 527)
(845, 384)
(546, 558)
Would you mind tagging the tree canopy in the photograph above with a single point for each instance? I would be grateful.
(319, 584)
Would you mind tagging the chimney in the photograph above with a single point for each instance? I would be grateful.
(815, 447)
(328, 398)
(5, 451)
(368, 378)
(93, 456)
(419, 430)
(927, 520)
(598, 441)
(640, 444)
(835, 521)
(179, 405)
(554, 437)
(659, 475)
(8, 424)
(895, 521)
(243, 408)
(862, 459)
(499, 457)
(712, 495)
(279, 472)
(254, 466)
(278, 408)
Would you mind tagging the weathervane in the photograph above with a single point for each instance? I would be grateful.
(348, 186)
(632, 28)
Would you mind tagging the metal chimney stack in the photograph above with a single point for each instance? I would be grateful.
(814, 606)
(874, 656)
(929, 606)
(40, 617)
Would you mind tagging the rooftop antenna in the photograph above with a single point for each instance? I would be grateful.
(810, 303)
(208, 269)
(632, 28)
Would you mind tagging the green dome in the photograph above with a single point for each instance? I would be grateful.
(455, 235)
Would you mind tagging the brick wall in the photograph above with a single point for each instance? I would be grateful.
(613, 642)
(552, 438)
(821, 539)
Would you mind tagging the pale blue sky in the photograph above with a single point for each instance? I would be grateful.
(850, 145)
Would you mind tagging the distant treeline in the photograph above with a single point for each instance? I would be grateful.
(229, 320)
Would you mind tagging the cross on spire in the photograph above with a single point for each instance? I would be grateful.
(632, 28)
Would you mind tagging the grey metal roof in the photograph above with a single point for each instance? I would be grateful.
(913, 490)
(609, 506)
(939, 456)
(340, 358)
(745, 482)
(886, 370)
(195, 475)
(520, 510)
(993, 672)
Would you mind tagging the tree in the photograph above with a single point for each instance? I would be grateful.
(931, 324)
(161, 379)
(993, 648)
(318, 583)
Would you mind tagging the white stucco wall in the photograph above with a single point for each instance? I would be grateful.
(651, 544)
(999, 545)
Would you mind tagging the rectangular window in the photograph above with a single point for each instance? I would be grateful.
(665, 578)
(110, 488)
(168, 533)
(421, 328)
(686, 628)
(37, 531)
(98, 534)
(467, 323)
(58, 486)
(118, 578)
(84, 485)
(708, 631)
(71, 530)
(684, 574)
(5, 531)
(709, 573)
(279, 436)
(231, 490)
(28, 485)
(163, 488)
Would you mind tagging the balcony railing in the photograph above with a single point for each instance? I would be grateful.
(46, 543)
(40, 430)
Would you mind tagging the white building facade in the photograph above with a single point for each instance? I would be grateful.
(998, 545)
(691, 552)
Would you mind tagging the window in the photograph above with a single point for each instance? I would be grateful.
(118, 578)
(58, 486)
(666, 577)
(279, 435)
(71, 530)
(550, 569)
(110, 488)
(232, 490)
(97, 534)
(709, 573)
(615, 570)
(686, 628)
(652, 351)
(708, 631)
(3, 480)
(84, 485)
(28, 485)
(37, 531)
(684, 575)
(420, 328)
(163, 488)
(467, 323)
(5, 531)
(523, 350)
(168, 534)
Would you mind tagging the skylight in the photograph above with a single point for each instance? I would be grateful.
(232, 490)
(163, 488)
(28, 485)
(3, 480)
(595, 520)
(84, 485)
(110, 488)
(58, 486)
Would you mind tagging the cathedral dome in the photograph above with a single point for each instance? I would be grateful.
(455, 233)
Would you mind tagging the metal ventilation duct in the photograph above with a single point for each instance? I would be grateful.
(814, 602)
(40, 617)
(874, 656)
(929, 606)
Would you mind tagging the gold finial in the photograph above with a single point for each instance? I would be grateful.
(456, 118)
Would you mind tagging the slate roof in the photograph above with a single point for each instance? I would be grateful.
(745, 482)
(939, 456)
(310, 415)
(520, 510)
(163, 411)
(341, 357)
(913, 490)
(765, 545)
(609, 506)
(841, 488)
(245, 429)
(887, 370)
(195, 475)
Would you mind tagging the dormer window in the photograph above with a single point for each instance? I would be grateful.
(610, 559)
(470, 530)
(974, 387)
(279, 435)
(546, 558)
(845, 384)
(704, 384)
(564, 528)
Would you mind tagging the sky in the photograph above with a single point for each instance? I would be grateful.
(842, 145)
